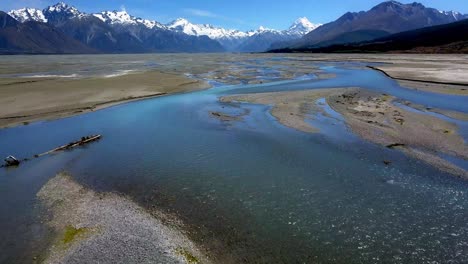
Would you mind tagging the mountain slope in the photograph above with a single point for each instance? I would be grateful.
(35, 37)
(354, 37)
(100, 36)
(263, 39)
(390, 16)
(447, 38)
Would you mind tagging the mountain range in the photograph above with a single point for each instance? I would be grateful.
(251, 41)
(119, 32)
(62, 28)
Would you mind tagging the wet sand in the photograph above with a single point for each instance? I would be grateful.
(107, 228)
(435, 79)
(31, 99)
(290, 108)
(446, 74)
(375, 118)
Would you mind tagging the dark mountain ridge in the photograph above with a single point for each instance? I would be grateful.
(391, 16)
(447, 38)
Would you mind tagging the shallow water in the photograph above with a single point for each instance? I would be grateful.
(260, 191)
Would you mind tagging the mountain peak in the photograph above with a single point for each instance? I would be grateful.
(392, 2)
(303, 21)
(62, 11)
(302, 26)
(395, 5)
(60, 7)
(179, 22)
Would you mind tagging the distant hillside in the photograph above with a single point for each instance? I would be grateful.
(34, 38)
(391, 16)
(354, 37)
(449, 38)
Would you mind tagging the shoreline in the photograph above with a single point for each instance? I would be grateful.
(427, 85)
(50, 99)
(64, 113)
(374, 118)
(109, 228)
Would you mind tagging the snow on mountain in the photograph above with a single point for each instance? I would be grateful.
(28, 14)
(116, 17)
(301, 27)
(456, 15)
(230, 39)
(263, 29)
(149, 23)
(123, 18)
(184, 26)
(63, 11)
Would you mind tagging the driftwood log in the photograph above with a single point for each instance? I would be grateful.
(11, 161)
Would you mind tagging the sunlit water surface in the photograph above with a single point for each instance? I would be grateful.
(258, 190)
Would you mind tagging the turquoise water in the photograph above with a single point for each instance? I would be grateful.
(260, 191)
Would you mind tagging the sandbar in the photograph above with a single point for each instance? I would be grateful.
(93, 227)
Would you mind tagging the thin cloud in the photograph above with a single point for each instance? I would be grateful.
(209, 14)
(201, 13)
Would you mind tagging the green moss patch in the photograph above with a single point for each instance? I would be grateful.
(71, 233)
(189, 257)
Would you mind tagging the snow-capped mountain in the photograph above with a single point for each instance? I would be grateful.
(236, 40)
(301, 26)
(456, 15)
(123, 18)
(183, 25)
(28, 14)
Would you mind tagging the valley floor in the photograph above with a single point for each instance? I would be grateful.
(94, 225)
(27, 94)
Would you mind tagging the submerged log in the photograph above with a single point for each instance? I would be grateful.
(11, 161)
(82, 141)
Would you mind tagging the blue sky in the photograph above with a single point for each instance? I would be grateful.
(239, 14)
